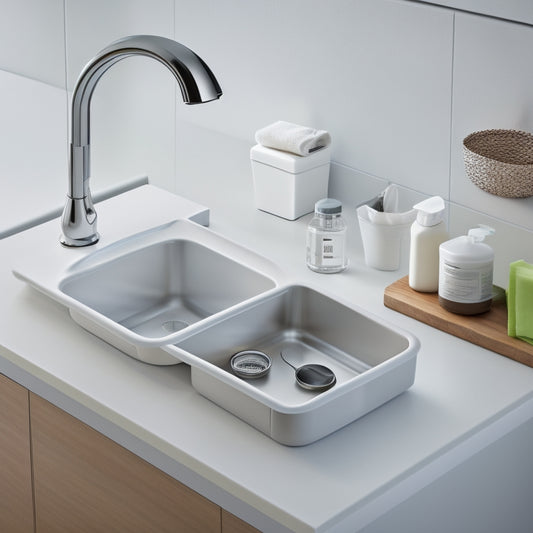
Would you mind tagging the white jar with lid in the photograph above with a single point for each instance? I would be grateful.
(465, 273)
(326, 238)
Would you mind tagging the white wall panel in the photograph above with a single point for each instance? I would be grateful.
(32, 40)
(33, 166)
(518, 10)
(376, 73)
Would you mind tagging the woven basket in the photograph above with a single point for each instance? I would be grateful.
(500, 162)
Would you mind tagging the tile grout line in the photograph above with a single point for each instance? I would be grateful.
(450, 146)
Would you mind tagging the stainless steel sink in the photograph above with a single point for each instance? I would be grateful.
(373, 362)
(166, 291)
(144, 291)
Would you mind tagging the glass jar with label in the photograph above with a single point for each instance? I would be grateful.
(326, 238)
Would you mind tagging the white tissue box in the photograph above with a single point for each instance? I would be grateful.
(288, 185)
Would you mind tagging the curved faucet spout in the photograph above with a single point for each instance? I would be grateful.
(197, 84)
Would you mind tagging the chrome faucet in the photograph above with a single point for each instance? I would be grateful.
(197, 84)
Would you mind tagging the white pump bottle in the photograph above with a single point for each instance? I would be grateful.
(427, 233)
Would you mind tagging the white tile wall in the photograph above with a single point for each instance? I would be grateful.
(398, 83)
(376, 73)
(32, 41)
(33, 166)
(90, 26)
(517, 10)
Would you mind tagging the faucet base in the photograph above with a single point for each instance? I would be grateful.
(78, 243)
(79, 223)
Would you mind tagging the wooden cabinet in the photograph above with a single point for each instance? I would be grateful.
(85, 482)
(58, 474)
(232, 524)
(16, 502)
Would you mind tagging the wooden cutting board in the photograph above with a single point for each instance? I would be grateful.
(488, 329)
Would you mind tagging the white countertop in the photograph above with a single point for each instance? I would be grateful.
(464, 397)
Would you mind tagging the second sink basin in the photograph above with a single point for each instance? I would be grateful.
(373, 362)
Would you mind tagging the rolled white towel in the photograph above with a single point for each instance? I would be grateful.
(293, 138)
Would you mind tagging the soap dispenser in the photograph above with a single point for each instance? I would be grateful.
(427, 233)
(465, 275)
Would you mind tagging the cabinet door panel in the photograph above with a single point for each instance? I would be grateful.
(16, 504)
(85, 482)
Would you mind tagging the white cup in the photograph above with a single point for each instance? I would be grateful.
(382, 243)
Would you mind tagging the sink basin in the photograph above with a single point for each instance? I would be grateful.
(164, 287)
(144, 291)
(373, 362)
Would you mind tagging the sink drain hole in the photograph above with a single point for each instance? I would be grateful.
(171, 326)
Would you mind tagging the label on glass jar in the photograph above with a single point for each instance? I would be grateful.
(326, 249)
